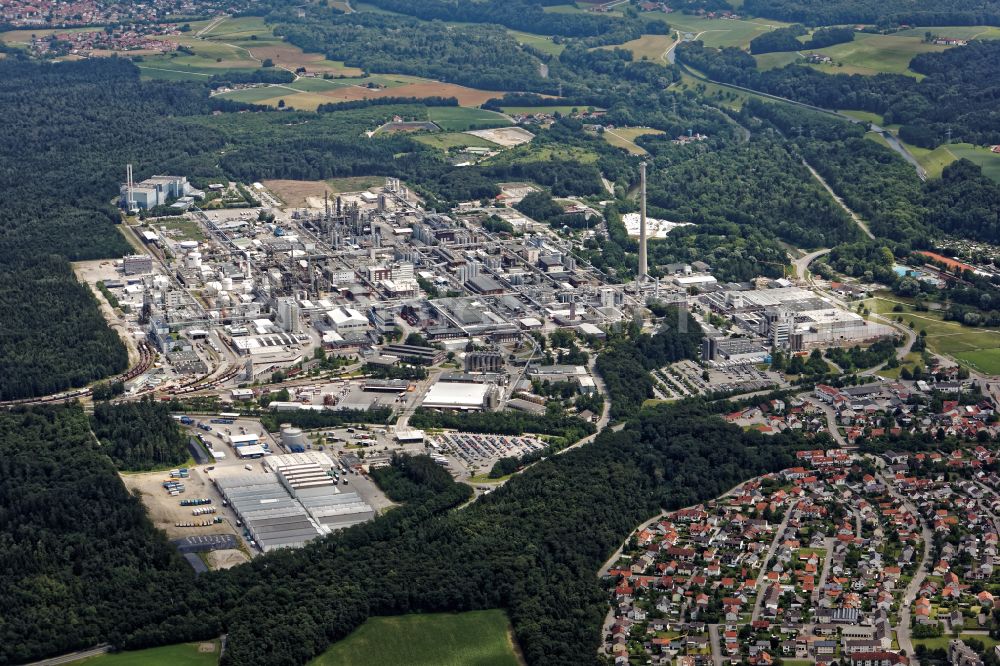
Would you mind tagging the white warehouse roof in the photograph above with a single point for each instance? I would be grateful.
(342, 316)
(457, 395)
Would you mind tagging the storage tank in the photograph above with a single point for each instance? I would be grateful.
(189, 245)
(227, 284)
(213, 288)
(292, 437)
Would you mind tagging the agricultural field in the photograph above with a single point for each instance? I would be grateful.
(979, 348)
(647, 47)
(717, 32)
(542, 43)
(184, 654)
(568, 8)
(307, 96)
(624, 137)
(447, 140)
(442, 639)
(942, 641)
(459, 119)
(875, 54)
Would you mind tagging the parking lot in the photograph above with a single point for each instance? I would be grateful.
(685, 379)
(480, 452)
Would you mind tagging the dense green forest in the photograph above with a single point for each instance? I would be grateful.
(630, 355)
(890, 12)
(883, 188)
(140, 435)
(531, 547)
(480, 56)
(69, 132)
(957, 93)
(758, 184)
(82, 563)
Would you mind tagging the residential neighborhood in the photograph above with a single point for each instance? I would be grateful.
(859, 555)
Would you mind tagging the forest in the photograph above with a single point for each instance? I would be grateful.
(630, 355)
(884, 189)
(958, 92)
(531, 547)
(82, 563)
(140, 435)
(758, 184)
(478, 56)
(882, 12)
(69, 132)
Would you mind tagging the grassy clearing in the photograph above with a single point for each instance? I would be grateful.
(865, 116)
(446, 140)
(775, 60)
(934, 161)
(459, 119)
(647, 47)
(541, 43)
(718, 32)
(725, 96)
(254, 95)
(874, 54)
(957, 32)
(942, 641)
(355, 183)
(184, 228)
(443, 639)
(624, 137)
(531, 153)
(569, 8)
(989, 161)
(185, 654)
(979, 347)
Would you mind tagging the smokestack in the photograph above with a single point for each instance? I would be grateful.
(642, 224)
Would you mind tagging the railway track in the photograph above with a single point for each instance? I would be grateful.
(146, 357)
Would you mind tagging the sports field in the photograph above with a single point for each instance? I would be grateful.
(479, 638)
(184, 654)
(458, 119)
(977, 347)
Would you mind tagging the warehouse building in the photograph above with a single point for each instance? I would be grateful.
(462, 396)
(271, 516)
(415, 354)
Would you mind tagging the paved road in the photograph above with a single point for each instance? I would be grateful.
(910, 594)
(831, 418)
(825, 571)
(713, 635)
(767, 561)
(73, 656)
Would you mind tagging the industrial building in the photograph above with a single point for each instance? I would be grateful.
(271, 516)
(484, 361)
(414, 354)
(155, 191)
(794, 318)
(137, 264)
(721, 348)
(461, 396)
